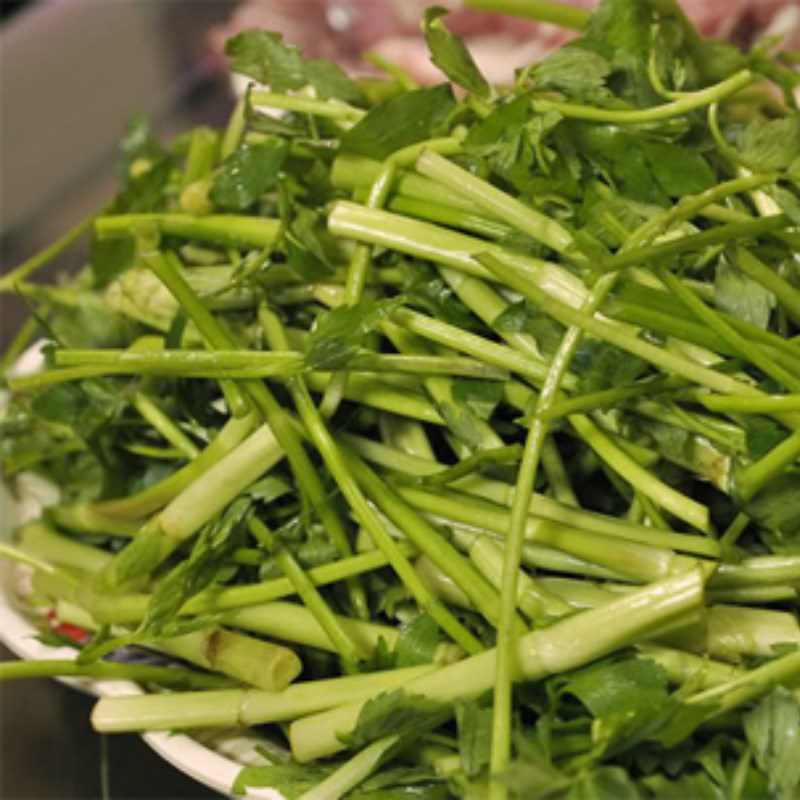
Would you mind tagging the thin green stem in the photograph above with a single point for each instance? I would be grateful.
(542, 10)
(152, 413)
(496, 202)
(27, 268)
(300, 104)
(677, 108)
(747, 350)
(768, 404)
(755, 477)
(308, 593)
(109, 670)
(358, 503)
(722, 234)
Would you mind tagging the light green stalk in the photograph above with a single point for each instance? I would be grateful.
(358, 503)
(241, 707)
(341, 641)
(687, 103)
(565, 645)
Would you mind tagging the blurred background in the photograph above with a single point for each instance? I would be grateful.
(72, 72)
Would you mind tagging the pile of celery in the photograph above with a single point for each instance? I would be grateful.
(449, 435)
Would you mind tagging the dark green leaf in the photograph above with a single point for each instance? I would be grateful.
(399, 121)
(480, 397)
(505, 119)
(291, 780)
(396, 714)
(773, 731)
(109, 257)
(776, 509)
(576, 72)
(305, 249)
(474, 721)
(340, 333)
(417, 643)
(195, 573)
(424, 288)
(247, 174)
(604, 783)
(618, 687)
(262, 55)
(740, 296)
(679, 170)
(771, 144)
(330, 82)
(762, 435)
(450, 54)
(600, 365)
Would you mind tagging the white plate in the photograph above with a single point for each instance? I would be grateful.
(212, 757)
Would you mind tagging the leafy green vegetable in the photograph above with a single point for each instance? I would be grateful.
(262, 55)
(763, 434)
(291, 780)
(773, 731)
(629, 686)
(740, 296)
(575, 71)
(450, 54)
(341, 332)
(399, 121)
(771, 144)
(396, 713)
(247, 174)
(474, 721)
(417, 643)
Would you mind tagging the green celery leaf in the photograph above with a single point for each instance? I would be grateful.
(291, 780)
(480, 397)
(679, 170)
(195, 573)
(147, 190)
(618, 154)
(773, 731)
(604, 783)
(776, 509)
(505, 118)
(340, 333)
(402, 783)
(450, 54)
(620, 31)
(522, 317)
(305, 248)
(474, 721)
(417, 643)
(618, 687)
(262, 55)
(576, 72)
(396, 714)
(330, 82)
(762, 435)
(600, 365)
(109, 257)
(399, 121)
(740, 296)
(424, 288)
(247, 174)
(771, 144)
(696, 785)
